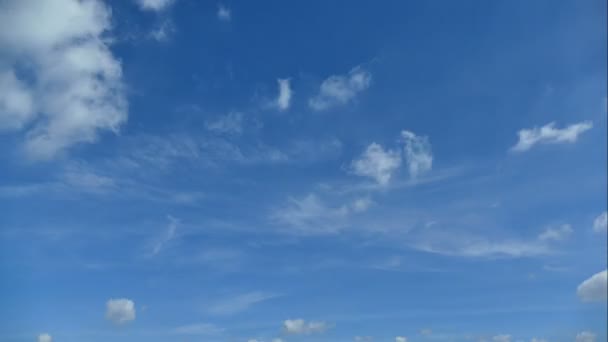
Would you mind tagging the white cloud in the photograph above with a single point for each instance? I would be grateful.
(377, 163)
(400, 339)
(309, 215)
(76, 89)
(585, 336)
(600, 224)
(239, 303)
(594, 289)
(198, 329)
(231, 123)
(154, 5)
(285, 94)
(556, 234)
(477, 246)
(534, 339)
(224, 13)
(120, 311)
(169, 235)
(278, 340)
(301, 327)
(548, 134)
(418, 154)
(340, 89)
(363, 339)
(426, 332)
(45, 338)
(361, 204)
(163, 31)
(502, 338)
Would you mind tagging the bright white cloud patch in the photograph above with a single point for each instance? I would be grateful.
(417, 152)
(377, 163)
(549, 134)
(600, 224)
(224, 13)
(594, 289)
(400, 339)
(585, 336)
(301, 327)
(45, 338)
(76, 89)
(340, 89)
(285, 94)
(120, 311)
(502, 338)
(154, 5)
(556, 234)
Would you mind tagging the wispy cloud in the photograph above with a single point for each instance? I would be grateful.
(418, 155)
(339, 90)
(549, 134)
(302, 327)
(168, 236)
(600, 224)
(556, 233)
(154, 5)
(198, 329)
(377, 163)
(284, 99)
(595, 288)
(224, 13)
(239, 303)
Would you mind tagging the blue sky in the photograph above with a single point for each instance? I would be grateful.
(303, 171)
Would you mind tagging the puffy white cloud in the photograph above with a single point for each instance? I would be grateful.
(400, 339)
(224, 13)
(231, 123)
(301, 327)
(285, 93)
(600, 224)
(594, 289)
(556, 233)
(45, 338)
(585, 336)
(377, 163)
(548, 134)
(75, 89)
(340, 89)
(154, 5)
(239, 303)
(502, 338)
(417, 152)
(198, 329)
(120, 311)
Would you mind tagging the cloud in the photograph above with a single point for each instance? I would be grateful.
(239, 303)
(426, 332)
(363, 339)
(75, 89)
(400, 339)
(556, 234)
(534, 339)
(309, 215)
(600, 224)
(169, 235)
(340, 89)
(595, 288)
(476, 246)
(301, 327)
(154, 5)
(377, 163)
(361, 204)
(45, 338)
(548, 134)
(285, 94)
(224, 13)
(502, 338)
(163, 31)
(198, 329)
(231, 123)
(120, 311)
(585, 336)
(417, 152)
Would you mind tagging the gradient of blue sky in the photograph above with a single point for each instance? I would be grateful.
(434, 170)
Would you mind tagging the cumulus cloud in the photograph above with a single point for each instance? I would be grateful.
(595, 288)
(224, 13)
(417, 152)
(120, 311)
(340, 89)
(502, 338)
(45, 338)
(154, 5)
(585, 336)
(377, 163)
(301, 327)
(75, 89)
(600, 224)
(549, 134)
(285, 93)
(400, 339)
(556, 233)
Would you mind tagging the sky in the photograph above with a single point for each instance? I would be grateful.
(273, 171)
